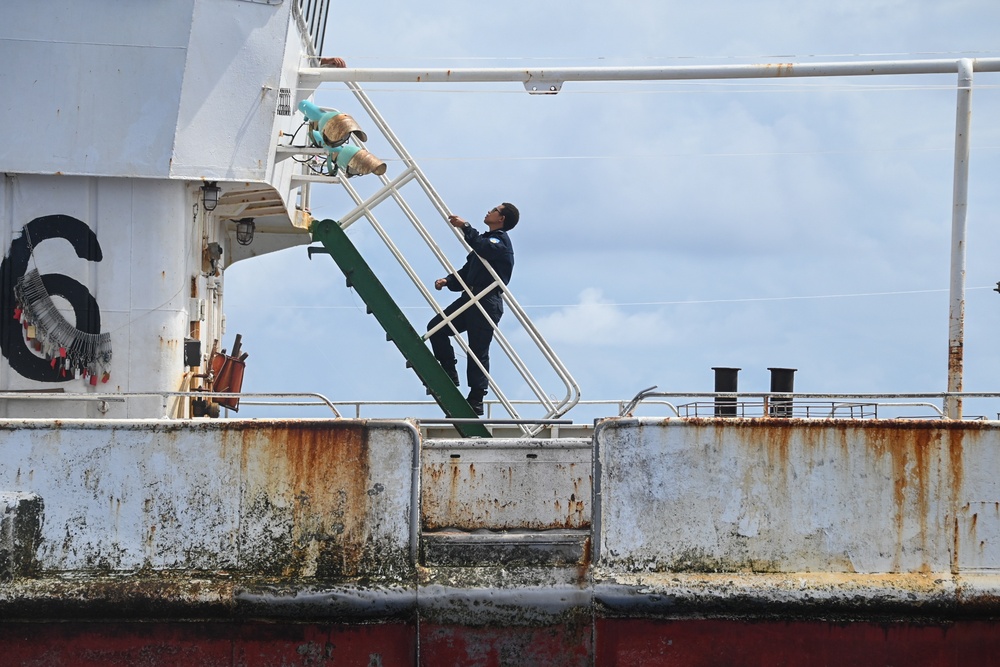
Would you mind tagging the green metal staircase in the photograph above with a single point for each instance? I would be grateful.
(398, 329)
(547, 388)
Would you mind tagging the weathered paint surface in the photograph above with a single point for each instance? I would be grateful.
(568, 645)
(515, 548)
(21, 516)
(506, 484)
(608, 642)
(698, 520)
(799, 495)
(269, 498)
(96, 644)
(792, 642)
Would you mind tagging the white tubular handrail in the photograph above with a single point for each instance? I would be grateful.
(313, 76)
(164, 395)
(573, 390)
(391, 189)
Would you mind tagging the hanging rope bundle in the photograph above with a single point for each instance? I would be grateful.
(76, 351)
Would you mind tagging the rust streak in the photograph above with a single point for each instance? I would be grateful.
(956, 465)
(954, 547)
(781, 69)
(319, 477)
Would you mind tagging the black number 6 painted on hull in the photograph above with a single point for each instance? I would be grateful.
(87, 312)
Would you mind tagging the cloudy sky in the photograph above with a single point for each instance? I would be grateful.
(666, 227)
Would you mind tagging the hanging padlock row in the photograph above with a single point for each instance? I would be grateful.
(71, 351)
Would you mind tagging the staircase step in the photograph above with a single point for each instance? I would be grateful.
(398, 329)
(509, 548)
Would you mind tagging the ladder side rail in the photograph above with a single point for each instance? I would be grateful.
(397, 145)
(390, 189)
(572, 388)
(362, 207)
(432, 194)
(365, 209)
(393, 248)
(474, 300)
(533, 334)
(520, 366)
(436, 200)
(512, 355)
(533, 383)
(446, 320)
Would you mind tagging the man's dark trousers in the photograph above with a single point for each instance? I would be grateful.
(480, 337)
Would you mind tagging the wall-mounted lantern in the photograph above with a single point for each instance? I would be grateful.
(245, 228)
(210, 195)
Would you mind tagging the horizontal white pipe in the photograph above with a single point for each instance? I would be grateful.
(313, 76)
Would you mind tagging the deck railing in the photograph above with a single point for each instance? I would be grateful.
(744, 405)
(647, 403)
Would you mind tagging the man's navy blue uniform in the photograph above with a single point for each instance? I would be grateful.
(495, 247)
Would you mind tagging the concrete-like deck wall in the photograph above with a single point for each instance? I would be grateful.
(781, 496)
(335, 498)
(294, 499)
(271, 518)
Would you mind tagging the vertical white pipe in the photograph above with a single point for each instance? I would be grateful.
(960, 198)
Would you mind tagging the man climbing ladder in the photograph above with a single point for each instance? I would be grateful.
(495, 247)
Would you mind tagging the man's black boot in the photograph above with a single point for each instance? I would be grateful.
(475, 399)
(452, 373)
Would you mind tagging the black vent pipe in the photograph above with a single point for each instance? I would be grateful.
(725, 381)
(782, 381)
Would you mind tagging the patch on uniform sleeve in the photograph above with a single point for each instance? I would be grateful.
(493, 239)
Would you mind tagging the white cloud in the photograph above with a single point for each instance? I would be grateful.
(595, 322)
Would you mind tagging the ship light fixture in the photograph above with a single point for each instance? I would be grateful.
(210, 195)
(245, 228)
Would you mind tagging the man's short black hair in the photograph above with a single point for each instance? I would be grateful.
(510, 216)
